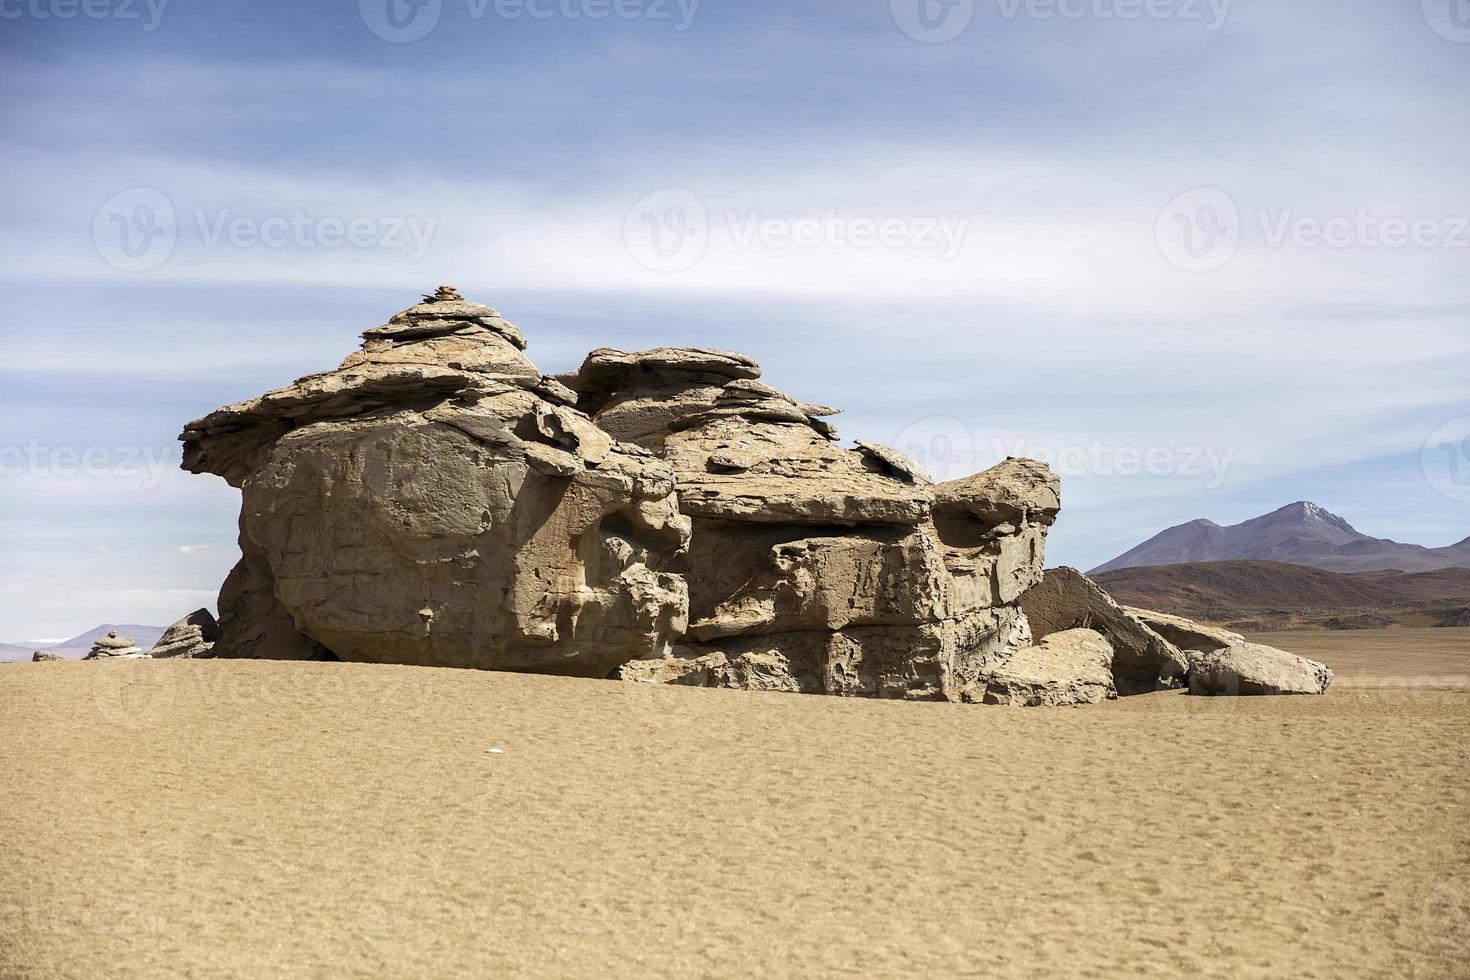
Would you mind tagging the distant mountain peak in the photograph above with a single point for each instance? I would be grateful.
(1301, 533)
(1309, 512)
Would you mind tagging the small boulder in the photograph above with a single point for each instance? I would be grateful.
(45, 656)
(1252, 668)
(1069, 667)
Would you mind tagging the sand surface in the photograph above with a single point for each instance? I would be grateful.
(1427, 658)
(219, 819)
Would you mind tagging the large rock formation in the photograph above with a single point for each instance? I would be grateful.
(662, 515)
(435, 501)
(814, 567)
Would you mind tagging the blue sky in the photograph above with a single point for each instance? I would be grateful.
(1099, 241)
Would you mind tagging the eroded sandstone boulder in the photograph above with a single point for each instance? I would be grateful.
(1068, 667)
(193, 636)
(46, 656)
(1143, 661)
(1253, 668)
(1222, 662)
(436, 501)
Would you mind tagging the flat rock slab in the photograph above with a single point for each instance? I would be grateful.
(1070, 667)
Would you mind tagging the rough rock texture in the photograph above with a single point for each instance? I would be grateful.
(1185, 634)
(1222, 662)
(1143, 661)
(114, 647)
(1069, 667)
(192, 636)
(814, 567)
(661, 516)
(1252, 668)
(43, 656)
(435, 501)
(638, 397)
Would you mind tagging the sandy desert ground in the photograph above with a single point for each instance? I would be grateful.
(209, 819)
(1413, 658)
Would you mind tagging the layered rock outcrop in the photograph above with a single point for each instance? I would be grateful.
(193, 636)
(436, 501)
(662, 516)
(114, 647)
(818, 568)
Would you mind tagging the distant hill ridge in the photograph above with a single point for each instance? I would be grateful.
(1268, 583)
(1301, 533)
